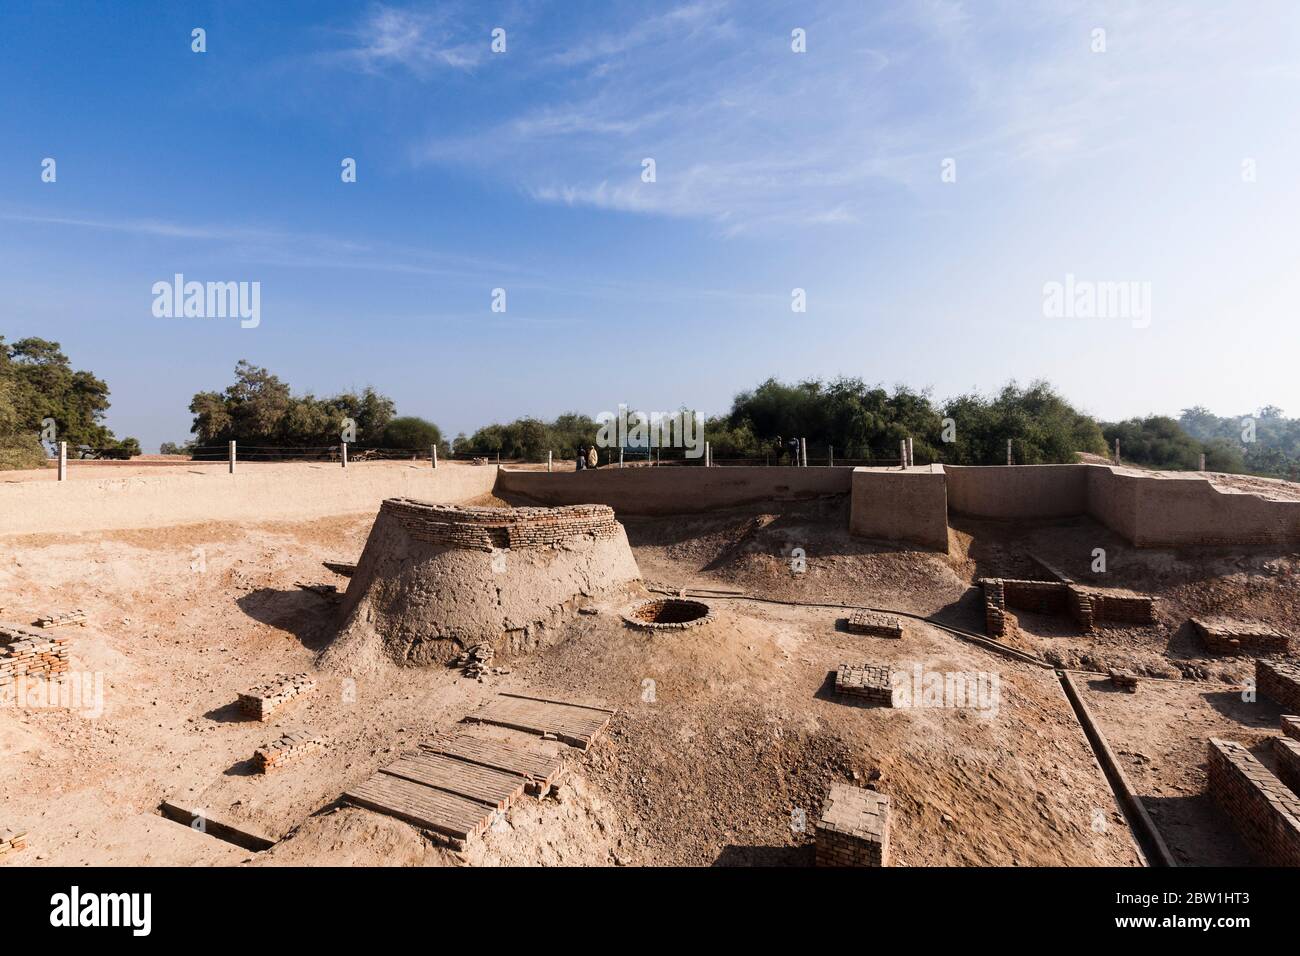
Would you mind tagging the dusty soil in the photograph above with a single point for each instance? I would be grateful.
(726, 739)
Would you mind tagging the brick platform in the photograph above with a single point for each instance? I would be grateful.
(854, 828)
(1124, 679)
(1229, 635)
(488, 529)
(1279, 681)
(865, 682)
(1262, 810)
(287, 749)
(1086, 604)
(1288, 762)
(28, 653)
(875, 623)
(62, 619)
(11, 841)
(261, 702)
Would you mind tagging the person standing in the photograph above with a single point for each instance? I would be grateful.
(582, 457)
(593, 458)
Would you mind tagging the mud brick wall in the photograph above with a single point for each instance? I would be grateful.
(1288, 762)
(1262, 810)
(25, 653)
(287, 749)
(487, 529)
(1225, 635)
(1280, 682)
(1045, 597)
(261, 702)
(1122, 607)
(854, 828)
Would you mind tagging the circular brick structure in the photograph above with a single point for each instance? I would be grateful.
(669, 614)
(436, 579)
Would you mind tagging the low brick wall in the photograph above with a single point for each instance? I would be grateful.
(1291, 726)
(25, 653)
(909, 507)
(875, 623)
(854, 828)
(287, 749)
(1262, 810)
(1280, 682)
(1288, 762)
(866, 682)
(487, 529)
(1086, 605)
(263, 701)
(1227, 635)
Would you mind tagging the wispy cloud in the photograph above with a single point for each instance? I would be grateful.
(418, 41)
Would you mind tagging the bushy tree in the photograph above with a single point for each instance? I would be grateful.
(409, 432)
(1043, 427)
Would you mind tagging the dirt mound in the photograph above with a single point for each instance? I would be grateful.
(436, 579)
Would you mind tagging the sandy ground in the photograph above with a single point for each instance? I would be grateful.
(725, 744)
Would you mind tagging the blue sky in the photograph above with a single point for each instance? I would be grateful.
(775, 170)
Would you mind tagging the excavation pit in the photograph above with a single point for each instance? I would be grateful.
(668, 614)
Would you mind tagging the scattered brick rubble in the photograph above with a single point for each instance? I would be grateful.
(1228, 635)
(1087, 604)
(261, 702)
(476, 661)
(290, 747)
(1261, 808)
(854, 828)
(27, 653)
(62, 619)
(1279, 681)
(489, 529)
(873, 622)
(12, 840)
(866, 682)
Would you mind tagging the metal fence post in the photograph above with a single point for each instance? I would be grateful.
(63, 461)
(550, 461)
(343, 452)
(231, 455)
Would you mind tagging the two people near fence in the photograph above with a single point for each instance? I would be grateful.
(588, 457)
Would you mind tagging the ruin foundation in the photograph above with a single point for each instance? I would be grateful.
(1228, 635)
(289, 748)
(1262, 810)
(261, 702)
(25, 653)
(875, 623)
(1280, 682)
(866, 682)
(1086, 604)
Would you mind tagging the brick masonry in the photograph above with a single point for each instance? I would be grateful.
(1291, 726)
(1228, 635)
(1288, 762)
(25, 653)
(875, 623)
(854, 828)
(488, 529)
(288, 748)
(866, 682)
(1280, 682)
(263, 701)
(1262, 810)
(1086, 604)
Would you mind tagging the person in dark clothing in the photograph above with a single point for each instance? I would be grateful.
(793, 445)
(582, 457)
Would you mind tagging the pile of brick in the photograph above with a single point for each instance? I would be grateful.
(11, 841)
(1087, 605)
(866, 682)
(1229, 635)
(873, 622)
(62, 619)
(1262, 810)
(476, 661)
(1124, 679)
(1279, 681)
(489, 529)
(854, 828)
(27, 653)
(261, 702)
(287, 749)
